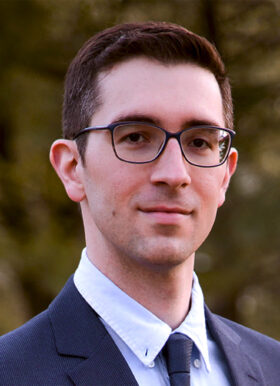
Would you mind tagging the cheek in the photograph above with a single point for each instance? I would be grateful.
(121, 190)
(209, 188)
(112, 188)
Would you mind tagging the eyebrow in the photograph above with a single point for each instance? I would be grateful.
(150, 119)
(137, 117)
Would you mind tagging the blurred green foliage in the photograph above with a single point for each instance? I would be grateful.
(41, 233)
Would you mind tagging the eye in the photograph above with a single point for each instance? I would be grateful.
(133, 135)
(200, 143)
(134, 138)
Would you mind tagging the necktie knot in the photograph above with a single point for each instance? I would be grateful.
(177, 352)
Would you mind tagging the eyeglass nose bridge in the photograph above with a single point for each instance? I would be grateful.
(168, 136)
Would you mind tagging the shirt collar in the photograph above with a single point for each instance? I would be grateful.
(126, 316)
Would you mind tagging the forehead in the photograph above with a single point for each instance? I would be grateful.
(168, 93)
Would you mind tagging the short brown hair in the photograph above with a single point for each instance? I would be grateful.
(168, 43)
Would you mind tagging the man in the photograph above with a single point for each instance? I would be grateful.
(147, 154)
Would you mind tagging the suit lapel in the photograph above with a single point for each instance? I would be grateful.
(244, 369)
(80, 334)
(105, 366)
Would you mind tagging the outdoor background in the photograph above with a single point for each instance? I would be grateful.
(41, 234)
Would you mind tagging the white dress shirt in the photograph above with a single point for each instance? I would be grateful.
(140, 335)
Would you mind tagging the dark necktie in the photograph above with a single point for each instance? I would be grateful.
(177, 352)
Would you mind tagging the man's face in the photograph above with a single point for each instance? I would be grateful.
(154, 214)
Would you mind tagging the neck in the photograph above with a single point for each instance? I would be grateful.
(166, 294)
(163, 290)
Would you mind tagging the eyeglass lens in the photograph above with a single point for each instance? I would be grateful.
(142, 143)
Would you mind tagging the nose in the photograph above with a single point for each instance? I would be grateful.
(171, 168)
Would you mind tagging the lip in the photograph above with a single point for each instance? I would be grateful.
(165, 214)
(165, 209)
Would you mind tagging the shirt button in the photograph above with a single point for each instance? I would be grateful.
(151, 365)
(197, 363)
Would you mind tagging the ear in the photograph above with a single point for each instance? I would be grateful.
(230, 169)
(66, 161)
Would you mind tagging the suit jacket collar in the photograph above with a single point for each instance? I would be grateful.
(244, 369)
(79, 333)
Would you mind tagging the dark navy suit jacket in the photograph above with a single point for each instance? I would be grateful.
(68, 345)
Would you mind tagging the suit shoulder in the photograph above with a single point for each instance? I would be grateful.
(28, 355)
(253, 339)
(33, 333)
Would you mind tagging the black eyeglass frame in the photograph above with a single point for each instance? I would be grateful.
(111, 127)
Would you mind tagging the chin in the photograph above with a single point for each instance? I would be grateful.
(163, 255)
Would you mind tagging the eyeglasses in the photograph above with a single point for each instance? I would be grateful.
(141, 142)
